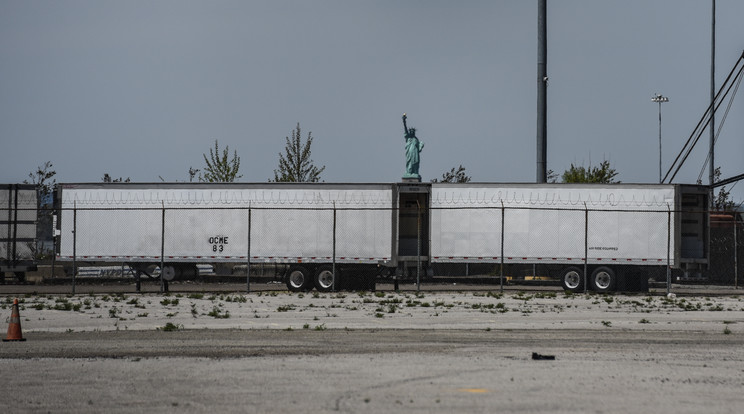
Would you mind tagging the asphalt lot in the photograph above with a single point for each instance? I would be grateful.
(430, 351)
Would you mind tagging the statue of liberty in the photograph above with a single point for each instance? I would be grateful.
(413, 148)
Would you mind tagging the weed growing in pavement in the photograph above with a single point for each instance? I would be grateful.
(644, 320)
(113, 312)
(166, 302)
(236, 299)
(170, 327)
(286, 308)
(306, 326)
(218, 314)
(522, 296)
(196, 296)
(65, 306)
(194, 312)
(726, 330)
(320, 327)
(607, 323)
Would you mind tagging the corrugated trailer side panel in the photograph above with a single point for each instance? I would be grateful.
(545, 223)
(288, 223)
(18, 211)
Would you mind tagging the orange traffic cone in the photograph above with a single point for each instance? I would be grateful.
(14, 328)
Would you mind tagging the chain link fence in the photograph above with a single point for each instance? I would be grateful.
(496, 242)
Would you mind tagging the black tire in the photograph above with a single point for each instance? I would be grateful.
(572, 279)
(325, 280)
(603, 280)
(168, 273)
(299, 279)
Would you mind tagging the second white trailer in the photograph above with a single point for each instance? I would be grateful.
(612, 229)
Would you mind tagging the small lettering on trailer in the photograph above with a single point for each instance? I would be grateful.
(218, 243)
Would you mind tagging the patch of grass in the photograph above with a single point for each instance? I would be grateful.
(286, 308)
(320, 327)
(170, 327)
(217, 313)
(196, 296)
(607, 323)
(644, 320)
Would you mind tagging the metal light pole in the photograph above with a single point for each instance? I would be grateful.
(660, 99)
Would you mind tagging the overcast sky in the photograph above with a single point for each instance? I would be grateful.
(141, 89)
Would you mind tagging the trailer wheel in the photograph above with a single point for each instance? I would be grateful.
(168, 273)
(324, 278)
(572, 279)
(299, 279)
(604, 279)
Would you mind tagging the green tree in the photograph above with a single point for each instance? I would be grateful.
(454, 176)
(602, 174)
(43, 179)
(722, 201)
(220, 168)
(107, 179)
(552, 176)
(295, 164)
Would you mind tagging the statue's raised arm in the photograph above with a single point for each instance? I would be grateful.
(405, 128)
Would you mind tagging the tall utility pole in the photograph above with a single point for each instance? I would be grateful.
(542, 84)
(711, 174)
(660, 99)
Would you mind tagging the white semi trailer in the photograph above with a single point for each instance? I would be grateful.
(18, 208)
(320, 230)
(333, 234)
(606, 235)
